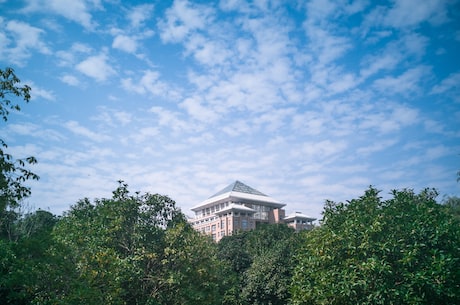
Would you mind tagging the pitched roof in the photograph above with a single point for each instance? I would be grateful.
(240, 187)
(239, 191)
(299, 215)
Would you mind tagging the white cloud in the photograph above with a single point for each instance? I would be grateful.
(26, 39)
(69, 57)
(123, 117)
(149, 83)
(172, 120)
(38, 92)
(112, 118)
(125, 43)
(326, 46)
(414, 44)
(181, 19)
(70, 80)
(96, 67)
(75, 10)
(138, 14)
(199, 112)
(145, 134)
(447, 84)
(309, 123)
(208, 52)
(376, 147)
(35, 130)
(373, 64)
(413, 12)
(406, 84)
(77, 129)
(437, 152)
(388, 118)
(323, 149)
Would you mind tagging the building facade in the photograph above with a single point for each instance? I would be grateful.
(239, 207)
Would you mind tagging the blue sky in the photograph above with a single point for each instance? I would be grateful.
(302, 100)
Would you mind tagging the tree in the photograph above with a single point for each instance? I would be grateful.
(24, 261)
(267, 280)
(261, 262)
(404, 250)
(453, 204)
(192, 272)
(131, 249)
(13, 171)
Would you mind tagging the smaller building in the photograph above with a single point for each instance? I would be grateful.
(299, 221)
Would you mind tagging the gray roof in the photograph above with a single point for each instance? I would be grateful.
(238, 186)
(238, 191)
(299, 215)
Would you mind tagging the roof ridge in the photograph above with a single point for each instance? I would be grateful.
(240, 187)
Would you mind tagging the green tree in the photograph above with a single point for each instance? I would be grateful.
(267, 280)
(24, 260)
(262, 263)
(404, 250)
(13, 172)
(453, 204)
(131, 249)
(192, 272)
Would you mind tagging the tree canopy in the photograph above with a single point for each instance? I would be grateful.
(404, 250)
(261, 261)
(132, 249)
(13, 172)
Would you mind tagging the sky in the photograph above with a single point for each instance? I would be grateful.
(305, 101)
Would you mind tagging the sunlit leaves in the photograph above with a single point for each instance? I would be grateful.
(403, 250)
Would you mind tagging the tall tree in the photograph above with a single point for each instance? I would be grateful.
(404, 250)
(262, 262)
(132, 249)
(13, 172)
(24, 261)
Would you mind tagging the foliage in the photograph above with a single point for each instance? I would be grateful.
(131, 249)
(24, 260)
(403, 250)
(13, 171)
(453, 204)
(261, 262)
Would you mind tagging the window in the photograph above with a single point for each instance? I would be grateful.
(244, 224)
(213, 228)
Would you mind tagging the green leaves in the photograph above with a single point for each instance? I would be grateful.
(134, 249)
(13, 172)
(368, 251)
(261, 261)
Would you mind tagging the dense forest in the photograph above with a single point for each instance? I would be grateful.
(137, 248)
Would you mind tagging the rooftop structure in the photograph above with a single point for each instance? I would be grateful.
(240, 207)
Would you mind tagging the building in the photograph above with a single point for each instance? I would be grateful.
(239, 207)
(299, 221)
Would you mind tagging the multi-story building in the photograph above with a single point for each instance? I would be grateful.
(240, 207)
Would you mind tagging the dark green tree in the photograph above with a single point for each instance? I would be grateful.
(404, 250)
(131, 249)
(262, 264)
(24, 261)
(453, 204)
(13, 172)
(267, 280)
